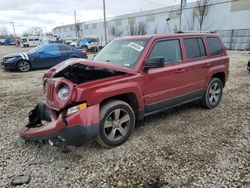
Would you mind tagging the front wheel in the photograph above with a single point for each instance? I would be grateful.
(23, 66)
(117, 121)
(213, 94)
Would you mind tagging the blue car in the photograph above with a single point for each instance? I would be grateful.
(7, 42)
(43, 56)
(89, 44)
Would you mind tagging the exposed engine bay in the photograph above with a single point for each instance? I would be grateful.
(79, 73)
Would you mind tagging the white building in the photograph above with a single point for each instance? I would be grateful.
(230, 18)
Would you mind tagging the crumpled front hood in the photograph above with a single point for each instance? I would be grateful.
(98, 64)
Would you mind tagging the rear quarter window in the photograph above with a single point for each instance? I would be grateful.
(215, 46)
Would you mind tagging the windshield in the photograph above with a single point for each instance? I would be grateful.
(123, 52)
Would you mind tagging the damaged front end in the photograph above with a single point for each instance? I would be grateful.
(47, 125)
(66, 118)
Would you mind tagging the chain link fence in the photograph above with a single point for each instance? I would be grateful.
(236, 39)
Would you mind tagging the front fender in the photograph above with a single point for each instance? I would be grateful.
(98, 95)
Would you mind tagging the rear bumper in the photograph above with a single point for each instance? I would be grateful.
(44, 125)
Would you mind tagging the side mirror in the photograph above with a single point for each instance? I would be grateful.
(155, 62)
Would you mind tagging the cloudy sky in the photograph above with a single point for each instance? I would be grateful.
(51, 13)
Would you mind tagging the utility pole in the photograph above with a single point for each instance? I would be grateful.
(105, 22)
(183, 3)
(180, 15)
(75, 24)
(13, 25)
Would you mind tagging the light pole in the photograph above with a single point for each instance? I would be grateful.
(168, 19)
(167, 25)
(13, 25)
(75, 24)
(105, 22)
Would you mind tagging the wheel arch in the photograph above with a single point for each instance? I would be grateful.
(221, 76)
(129, 98)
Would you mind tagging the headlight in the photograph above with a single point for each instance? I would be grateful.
(10, 59)
(63, 92)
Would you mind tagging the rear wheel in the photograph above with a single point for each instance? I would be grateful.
(213, 94)
(117, 121)
(23, 66)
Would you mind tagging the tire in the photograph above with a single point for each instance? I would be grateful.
(23, 66)
(213, 94)
(112, 132)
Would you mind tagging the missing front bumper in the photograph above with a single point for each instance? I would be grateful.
(55, 131)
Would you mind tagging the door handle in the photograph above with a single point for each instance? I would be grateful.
(180, 70)
(206, 65)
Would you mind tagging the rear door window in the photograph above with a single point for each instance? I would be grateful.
(215, 46)
(195, 48)
(169, 49)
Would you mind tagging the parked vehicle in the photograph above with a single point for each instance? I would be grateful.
(89, 44)
(7, 41)
(69, 40)
(74, 44)
(248, 65)
(30, 41)
(130, 78)
(43, 56)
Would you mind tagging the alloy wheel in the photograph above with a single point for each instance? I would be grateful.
(117, 124)
(214, 94)
(24, 66)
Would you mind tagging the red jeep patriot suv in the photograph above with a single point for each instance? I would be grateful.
(130, 78)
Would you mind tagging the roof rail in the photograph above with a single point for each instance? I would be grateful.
(195, 32)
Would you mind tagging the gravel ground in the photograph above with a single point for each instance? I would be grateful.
(185, 147)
